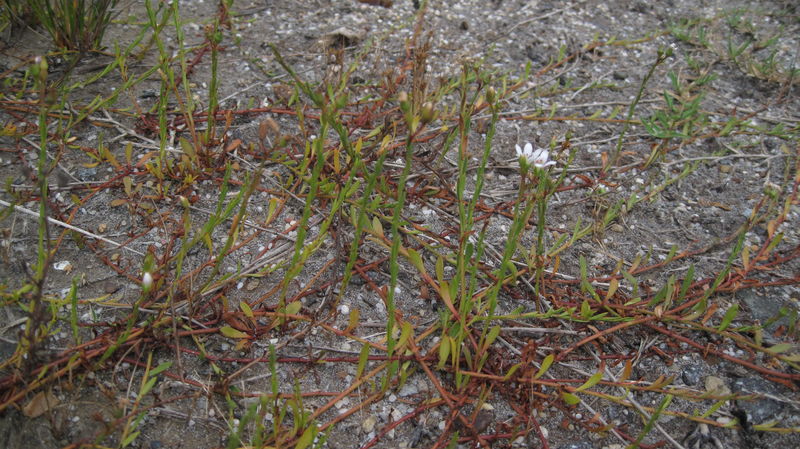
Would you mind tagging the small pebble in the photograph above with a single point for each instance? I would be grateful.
(368, 425)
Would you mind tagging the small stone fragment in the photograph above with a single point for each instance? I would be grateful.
(63, 265)
(342, 38)
(251, 285)
(716, 386)
(691, 375)
(368, 425)
(409, 389)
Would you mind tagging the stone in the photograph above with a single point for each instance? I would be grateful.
(759, 410)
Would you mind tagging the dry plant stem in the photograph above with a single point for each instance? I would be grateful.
(197, 320)
(70, 227)
(454, 408)
(722, 354)
(170, 413)
(633, 401)
(400, 421)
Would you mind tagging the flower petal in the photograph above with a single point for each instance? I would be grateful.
(528, 149)
(544, 154)
(541, 158)
(519, 151)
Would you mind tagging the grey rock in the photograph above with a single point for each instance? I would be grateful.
(762, 409)
(764, 307)
(692, 374)
(86, 174)
(409, 389)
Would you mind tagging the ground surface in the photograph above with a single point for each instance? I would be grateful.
(586, 62)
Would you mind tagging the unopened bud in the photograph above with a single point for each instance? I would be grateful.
(147, 281)
(35, 67)
(428, 113)
(402, 97)
(184, 202)
(39, 69)
(491, 95)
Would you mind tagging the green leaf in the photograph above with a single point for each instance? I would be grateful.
(444, 292)
(405, 333)
(370, 135)
(273, 205)
(548, 360)
(511, 371)
(416, 260)
(597, 377)
(231, 332)
(188, 148)
(774, 242)
(454, 352)
(377, 226)
(217, 370)
(248, 312)
(570, 398)
(653, 419)
(766, 426)
(730, 315)
(293, 307)
(687, 282)
(444, 351)
(362, 360)
(352, 320)
(586, 286)
(73, 311)
(148, 386)
(129, 439)
(714, 408)
(793, 358)
(780, 347)
(307, 438)
(586, 309)
(494, 332)
(160, 368)
(511, 269)
(672, 251)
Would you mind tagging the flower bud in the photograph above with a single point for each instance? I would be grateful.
(39, 69)
(147, 281)
(491, 95)
(35, 67)
(42, 65)
(402, 97)
(428, 113)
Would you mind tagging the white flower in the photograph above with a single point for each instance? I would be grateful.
(147, 280)
(539, 158)
(527, 153)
